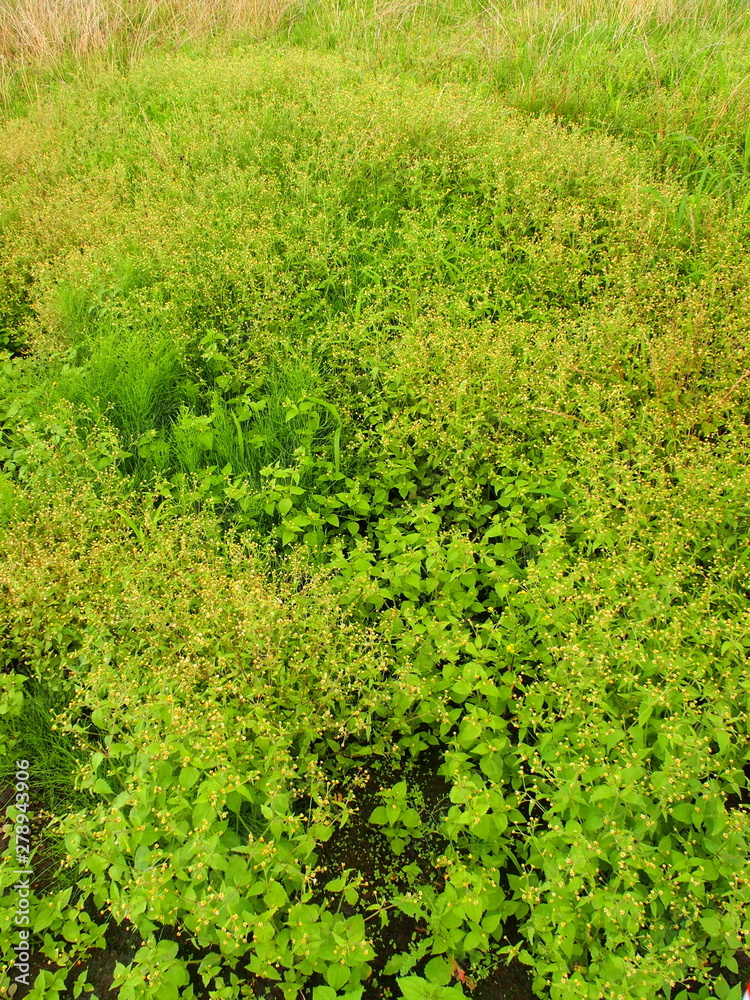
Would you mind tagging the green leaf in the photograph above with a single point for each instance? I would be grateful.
(337, 975)
(602, 792)
(189, 776)
(414, 988)
(711, 925)
(324, 993)
(411, 819)
(276, 895)
(439, 970)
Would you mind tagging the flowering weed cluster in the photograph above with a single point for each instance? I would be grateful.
(351, 426)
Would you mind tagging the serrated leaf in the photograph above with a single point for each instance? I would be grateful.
(439, 970)
(189, 776)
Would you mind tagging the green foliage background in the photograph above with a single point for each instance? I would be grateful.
(357, 413)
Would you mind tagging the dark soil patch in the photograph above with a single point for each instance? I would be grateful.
(741, 798)
(506, 982)
(358, 845)
(361, 846)
(46, 862)
(121, 940)
(45, 867)
(121, 943)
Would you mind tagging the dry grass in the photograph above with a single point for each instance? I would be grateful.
(40, 31)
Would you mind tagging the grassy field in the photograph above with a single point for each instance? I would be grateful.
(374, 499)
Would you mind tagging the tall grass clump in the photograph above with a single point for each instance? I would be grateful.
(131, 377)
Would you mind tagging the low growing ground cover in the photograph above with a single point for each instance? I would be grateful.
(375, 566)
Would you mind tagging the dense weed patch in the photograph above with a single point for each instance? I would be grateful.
(356, 429)
(670, 76)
